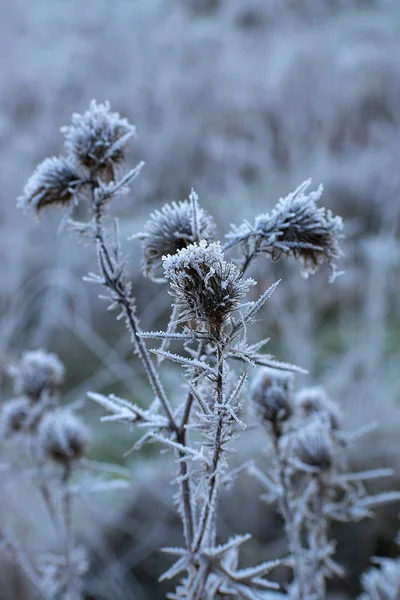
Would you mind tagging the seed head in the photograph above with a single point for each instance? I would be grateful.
(272, 397)
(171, 229)
(98, 137)
(14, 416)
(63, 437)
(53, 183)
(314, 401)
(205, 286)
(37, 372)
(313, 447)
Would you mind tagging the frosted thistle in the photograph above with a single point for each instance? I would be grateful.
(175, 226)
(97, 137)
(14, 417)
(62, 437)
(271, 394)
(205, 286)
(37, 372)
(296, 227)
(53, 183)
(313, 447)
(314, 402)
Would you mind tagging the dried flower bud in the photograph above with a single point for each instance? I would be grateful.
(98, 137)
(37, 372)
(313, 447)
(14, 416)
(296, 227)
(62, 436)
(206, 287)
(171, 229)
(314, 401)
(53, 183)
(272, 396)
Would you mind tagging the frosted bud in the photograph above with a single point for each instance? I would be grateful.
(53, 182)
(313, 447)
(205, 286)
(169, 230)
(97, 137)
(62, 436)
(37, 372)
(314, 401)
(271, 393)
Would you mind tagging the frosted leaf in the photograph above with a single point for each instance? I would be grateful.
(53, 182)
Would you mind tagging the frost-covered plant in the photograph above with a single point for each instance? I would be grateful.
(308, 479)
(52, 440)
(213, 310)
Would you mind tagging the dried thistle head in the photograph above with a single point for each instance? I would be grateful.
(175, 226)
(37, 372)
(313, 447)
(53, 183)
(314, 401)
(296, 227)
(97, 137)
(272, 397)
(205, 286)
(14, 417)
(63, 437)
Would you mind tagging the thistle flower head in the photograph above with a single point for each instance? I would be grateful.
(272, 396)
(296, 227)
(205, 286)
(98, 137)
(37, 372)
(313, 447)
(53, 183)
(14, 416)
(314, 401)
(63, 438)
(170, 229)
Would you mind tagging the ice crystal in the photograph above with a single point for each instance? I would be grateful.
(382, 583)
(171, 229)
(206, 287)
(53, 182)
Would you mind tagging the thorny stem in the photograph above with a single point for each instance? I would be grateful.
(292, 531)
(207, 517)
(118, 287)
(318, 532)
(133, 323)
